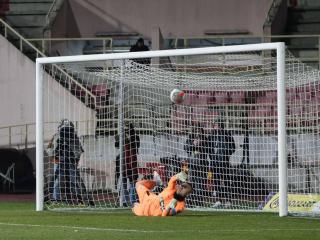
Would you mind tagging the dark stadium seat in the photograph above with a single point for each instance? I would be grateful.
(102, 93)
(237, 97)
(77, 90)
(221, 97)
(99, 89)
(179, 118)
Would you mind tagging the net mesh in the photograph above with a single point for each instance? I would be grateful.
(224, 132)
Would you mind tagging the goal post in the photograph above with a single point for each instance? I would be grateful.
(138, 94)
(39, 138)
(282, 135)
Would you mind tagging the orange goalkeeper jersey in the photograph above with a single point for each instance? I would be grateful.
(150, 202)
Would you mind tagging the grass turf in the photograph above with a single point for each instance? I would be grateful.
(21, 221)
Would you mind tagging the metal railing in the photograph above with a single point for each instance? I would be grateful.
(18, 136)
(108, 44)
(7, 29)
(224, 40)
(23, 136)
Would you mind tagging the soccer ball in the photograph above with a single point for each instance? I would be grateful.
(177, 96)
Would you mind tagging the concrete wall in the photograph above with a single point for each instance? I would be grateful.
(176, 18)
(18, 95)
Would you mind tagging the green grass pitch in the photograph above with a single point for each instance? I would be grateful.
(21, 221)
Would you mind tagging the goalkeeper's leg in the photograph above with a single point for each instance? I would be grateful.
(143, 188)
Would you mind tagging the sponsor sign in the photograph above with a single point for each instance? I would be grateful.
(296, 203)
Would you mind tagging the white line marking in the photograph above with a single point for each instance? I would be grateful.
(155, 231)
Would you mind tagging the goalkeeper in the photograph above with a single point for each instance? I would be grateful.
(169, 202)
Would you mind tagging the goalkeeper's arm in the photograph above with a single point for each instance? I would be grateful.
(177, 204)
(170, 209)
(182, 176)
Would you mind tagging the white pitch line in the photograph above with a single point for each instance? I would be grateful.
(155, 231)
(78, 228)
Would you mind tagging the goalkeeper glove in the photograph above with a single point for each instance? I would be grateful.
(182, 176)
(173, 203)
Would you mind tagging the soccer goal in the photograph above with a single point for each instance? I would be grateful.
(247, 129)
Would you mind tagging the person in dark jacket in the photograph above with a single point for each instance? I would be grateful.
(130, 162)
(221, 146)
(196, 148)
(67, 149)
(140, 47)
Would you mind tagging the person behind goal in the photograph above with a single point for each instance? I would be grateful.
(169, 202)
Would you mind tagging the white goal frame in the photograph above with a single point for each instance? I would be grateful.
(279, 47)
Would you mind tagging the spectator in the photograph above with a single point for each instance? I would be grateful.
(130, 162)
(53, 195)
(66, 150)
(221, 146)
(140, 47)
(198, 164)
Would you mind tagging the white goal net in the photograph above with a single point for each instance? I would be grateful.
(109, 123)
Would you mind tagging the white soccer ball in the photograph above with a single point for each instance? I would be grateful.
(177, 96)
